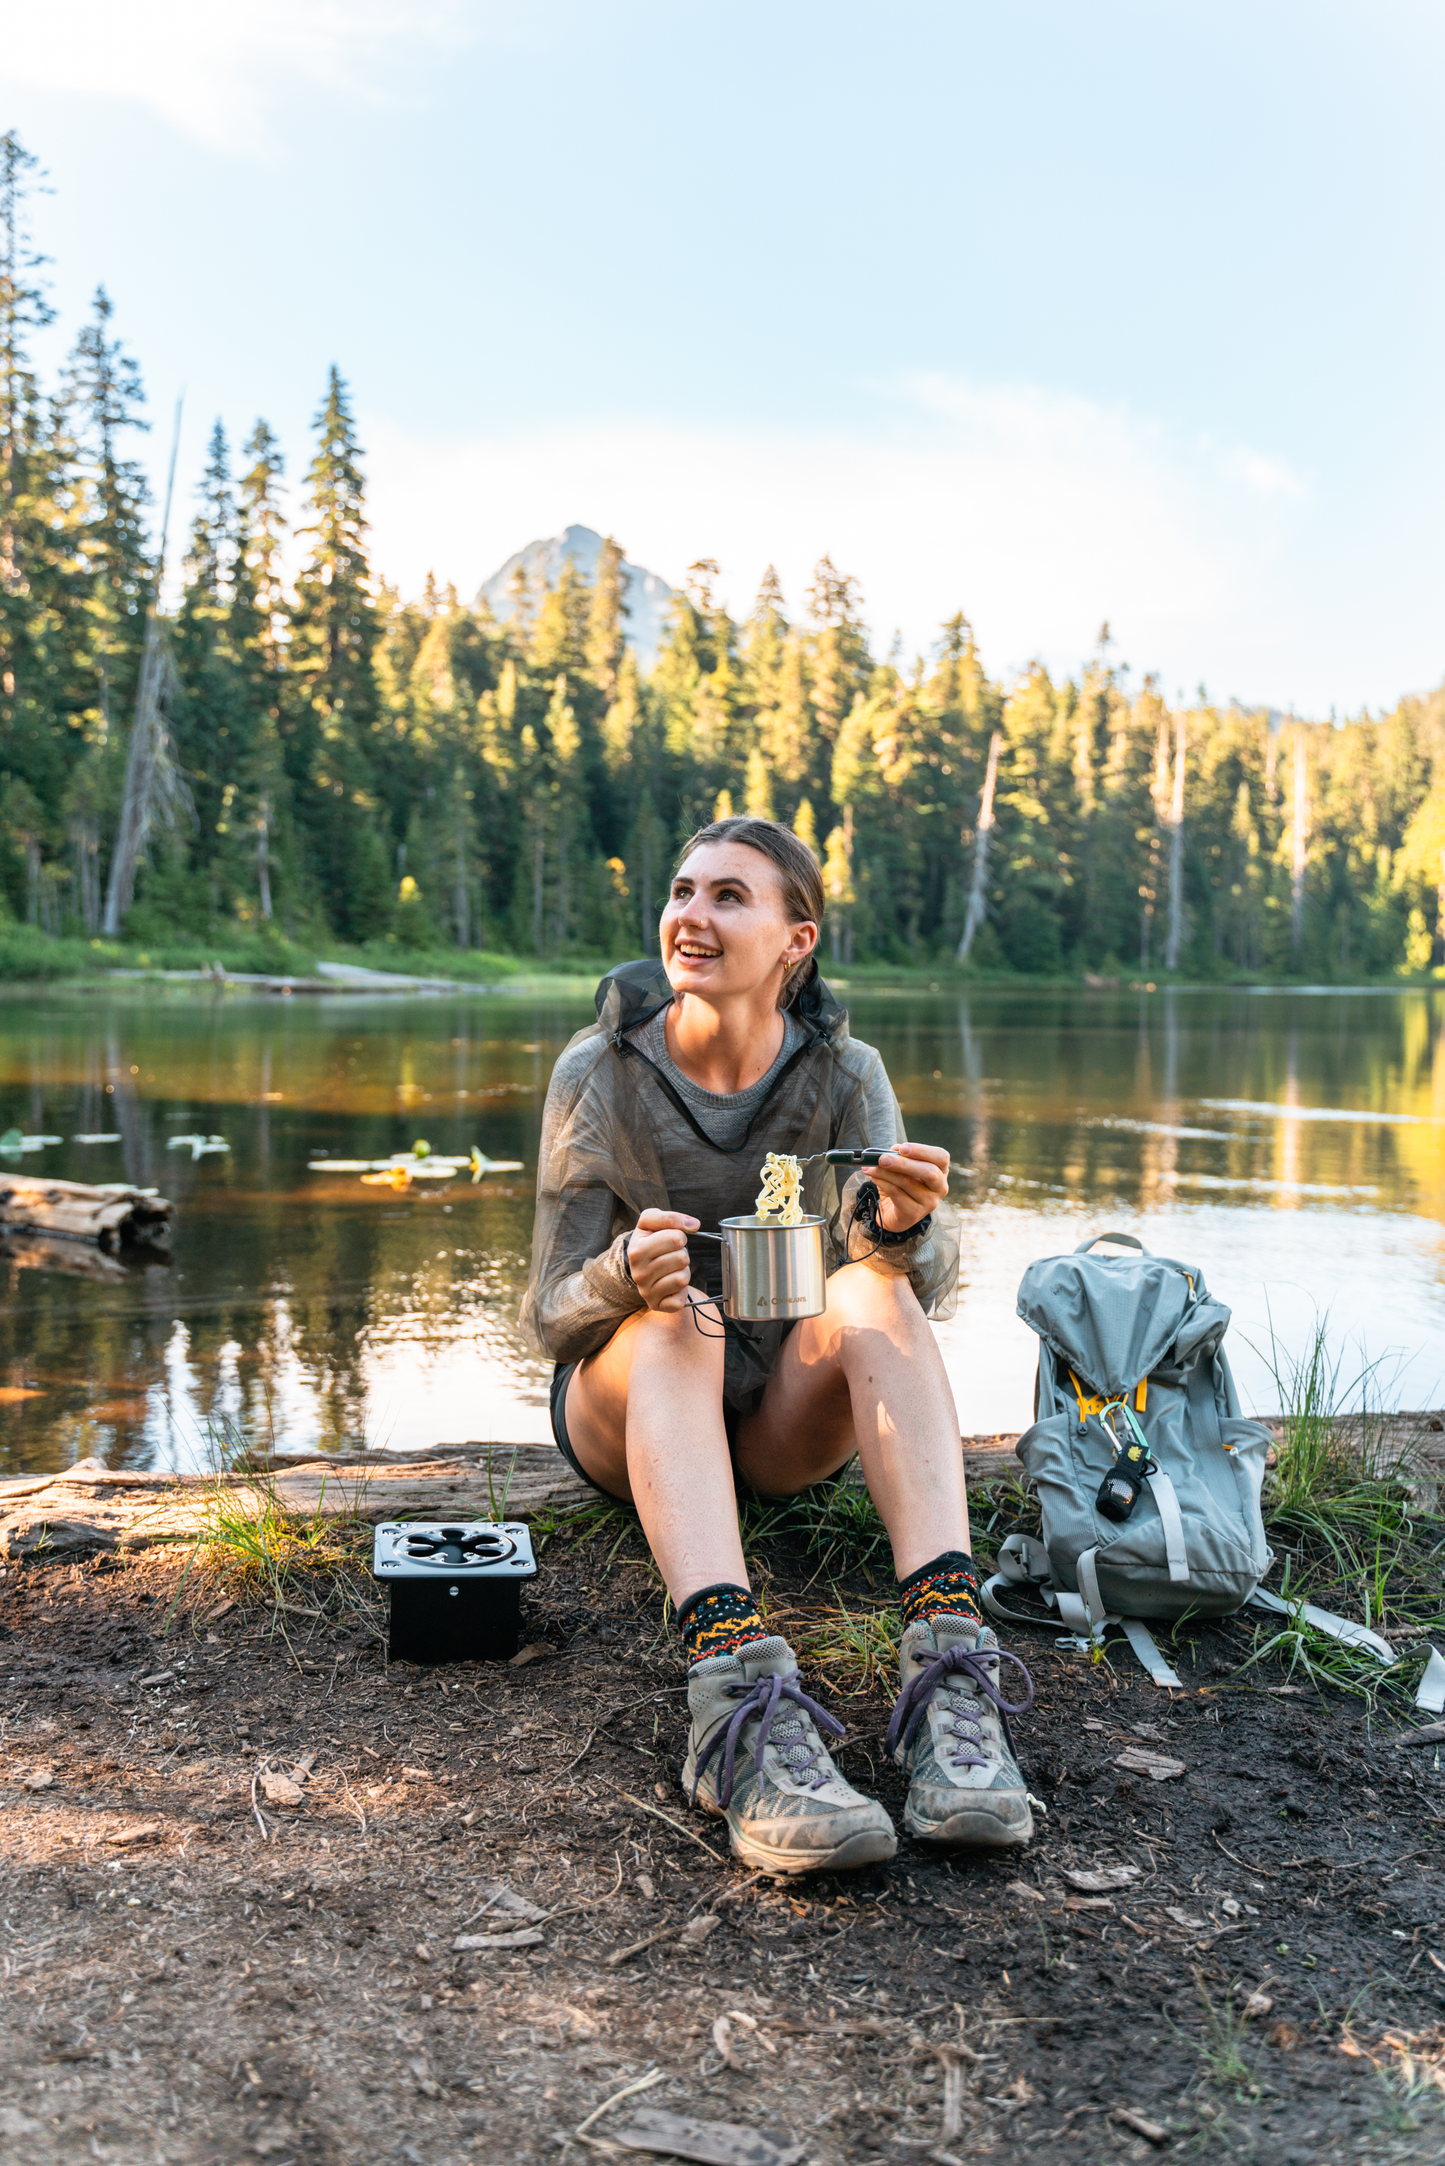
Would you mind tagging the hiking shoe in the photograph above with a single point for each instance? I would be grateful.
(950, 1735)
(756, 1757)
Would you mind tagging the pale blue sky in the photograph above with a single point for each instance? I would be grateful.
(1049, 312)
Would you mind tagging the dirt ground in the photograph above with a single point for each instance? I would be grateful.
(178, 1988)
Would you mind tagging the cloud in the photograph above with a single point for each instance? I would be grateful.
(213, 72)
(1038, 513)
(1270, 476)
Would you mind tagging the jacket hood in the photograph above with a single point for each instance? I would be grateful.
(631, 992)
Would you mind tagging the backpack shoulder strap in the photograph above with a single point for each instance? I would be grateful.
(1203, 1407)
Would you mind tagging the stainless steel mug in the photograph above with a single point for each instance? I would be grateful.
(771, 1273)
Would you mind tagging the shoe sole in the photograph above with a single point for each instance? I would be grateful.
(872, 1846)
(971, 1831)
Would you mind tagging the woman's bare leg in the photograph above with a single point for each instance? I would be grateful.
(866, 1375)
(645, 1419)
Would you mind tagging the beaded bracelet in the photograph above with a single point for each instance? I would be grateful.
(865, 1211)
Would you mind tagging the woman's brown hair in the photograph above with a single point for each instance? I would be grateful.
(800, 873)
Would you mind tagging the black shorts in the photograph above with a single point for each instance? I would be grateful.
(561, 1378)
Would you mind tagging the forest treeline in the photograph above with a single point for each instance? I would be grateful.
(319, 756)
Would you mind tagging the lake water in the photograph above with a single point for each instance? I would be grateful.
(1290, 1144)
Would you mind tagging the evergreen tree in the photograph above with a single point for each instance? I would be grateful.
(265, 852)
(24, 554)
(103, 395)
(839, 660)
(382, 765)
(209, 720)
(331, 710)
(38, 600)
(762, 645)
(604, 642)
(787, 731)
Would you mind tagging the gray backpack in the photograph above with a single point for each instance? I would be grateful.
(1147, 1473)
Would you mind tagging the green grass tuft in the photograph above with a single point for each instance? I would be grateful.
(295, 1568)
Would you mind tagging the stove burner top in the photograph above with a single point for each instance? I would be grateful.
(455, 1588)
(457, 1547)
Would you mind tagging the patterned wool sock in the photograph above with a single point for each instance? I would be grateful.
(948, 1587)
(718, 1621)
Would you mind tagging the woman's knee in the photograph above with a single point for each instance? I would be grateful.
(691, 1336)
(859, 1295)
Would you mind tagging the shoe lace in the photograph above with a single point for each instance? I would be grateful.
(964, 1702)
(761, 1700)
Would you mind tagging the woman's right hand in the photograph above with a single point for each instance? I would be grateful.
(657, 1257)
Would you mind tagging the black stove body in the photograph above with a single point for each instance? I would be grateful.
(455, 1588)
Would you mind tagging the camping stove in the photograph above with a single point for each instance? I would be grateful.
(455, 1590)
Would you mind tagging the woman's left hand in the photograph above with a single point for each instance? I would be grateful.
(912, 1179)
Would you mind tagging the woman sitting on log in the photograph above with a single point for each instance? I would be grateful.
(657, 1123)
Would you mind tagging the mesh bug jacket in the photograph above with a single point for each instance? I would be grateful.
(611, 1118)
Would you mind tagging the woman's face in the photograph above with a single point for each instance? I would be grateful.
(724, 931)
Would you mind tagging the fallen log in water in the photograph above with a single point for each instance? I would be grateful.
(113, 1216)
(29, 1251)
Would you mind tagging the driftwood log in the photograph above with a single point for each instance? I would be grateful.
(113, 1217)
(91, 1507)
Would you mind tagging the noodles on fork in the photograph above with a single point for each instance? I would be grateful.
(779, 1198)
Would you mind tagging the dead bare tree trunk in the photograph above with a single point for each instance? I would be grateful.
(848, 912)
(263, 856)
(87, 873)
(978, 887)
(1175, 940)
(1159, 795)
(1299, 846)
(461, 895)
(135, 807)
(150, 778)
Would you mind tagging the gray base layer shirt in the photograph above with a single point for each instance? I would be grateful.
(615, 1144)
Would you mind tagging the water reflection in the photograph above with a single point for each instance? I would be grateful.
(1292, 1145)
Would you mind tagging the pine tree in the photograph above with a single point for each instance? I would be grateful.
(762, 645)
(787, 732)
(39, 604)
(209, 723)
(24, 309)
(838, 889)
(623, 719)
(559, 634)
(103, 394)
(570, 828)
(258, 624)
(261, 526)
(758, 790)
(839, 660)
(332, 707)
(605, 638)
